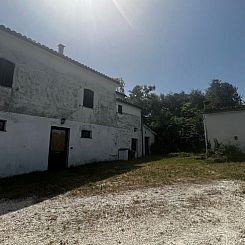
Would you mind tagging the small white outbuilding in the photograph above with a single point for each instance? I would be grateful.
(227, 127)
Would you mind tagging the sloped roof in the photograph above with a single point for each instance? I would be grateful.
(128, 103)
(210, 110)
(148, 128)
(122, 94)
(29, 40)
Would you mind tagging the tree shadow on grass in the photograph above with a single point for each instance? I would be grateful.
(25, 190)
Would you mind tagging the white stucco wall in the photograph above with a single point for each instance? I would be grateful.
(25, 144)
(129, 109)
(225, 126)
(47, 88)
(129, 121)
(47, 85)
(148, 133)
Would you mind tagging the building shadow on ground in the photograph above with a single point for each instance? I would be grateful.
(25, 190)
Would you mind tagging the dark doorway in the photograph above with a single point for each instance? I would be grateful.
(133, 152)
(147, 146)
(134, 145)
(58, 148)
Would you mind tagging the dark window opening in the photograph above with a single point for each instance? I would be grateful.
(6, 73)
(3, 125)
(119, 109)
(86, 134)
(88, 98)
(135, 129)
(134, 145)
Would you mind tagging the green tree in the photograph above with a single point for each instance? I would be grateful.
(121, 87)
(177, 117)
(174, 101)
(143, 96)
(197, 99)
(222, 94)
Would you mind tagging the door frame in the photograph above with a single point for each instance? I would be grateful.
(67, 141)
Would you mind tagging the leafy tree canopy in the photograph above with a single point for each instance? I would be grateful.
(121, 85)
(222, 94)
(177, 117)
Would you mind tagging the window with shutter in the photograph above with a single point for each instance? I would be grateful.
(119, 109)
(88, 98)
(6, 73)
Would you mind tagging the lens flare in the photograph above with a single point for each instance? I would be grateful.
(123, 13)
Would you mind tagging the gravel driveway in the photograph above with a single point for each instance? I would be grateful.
(176, 214)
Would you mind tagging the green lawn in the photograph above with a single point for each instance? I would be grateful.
(116, 176)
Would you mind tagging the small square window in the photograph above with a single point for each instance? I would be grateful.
(135, 129)
(3, 125)
(119, 109)
(86, 134)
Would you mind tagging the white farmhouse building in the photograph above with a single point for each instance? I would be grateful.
(56, 112)
(226, 127)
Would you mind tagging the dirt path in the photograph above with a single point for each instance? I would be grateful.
(178, 214)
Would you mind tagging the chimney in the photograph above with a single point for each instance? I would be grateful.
(61, 49)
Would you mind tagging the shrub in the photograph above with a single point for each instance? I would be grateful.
(225, 153)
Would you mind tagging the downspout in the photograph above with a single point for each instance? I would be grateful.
(206, 134)
(142, 135)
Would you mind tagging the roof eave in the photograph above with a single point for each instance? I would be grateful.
(29, 40)
(128, 103)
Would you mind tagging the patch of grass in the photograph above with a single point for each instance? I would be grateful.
(107, 177)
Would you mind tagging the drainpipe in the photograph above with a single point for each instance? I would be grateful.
(206, 135)
(142, 133)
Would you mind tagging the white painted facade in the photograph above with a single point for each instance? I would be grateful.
(25, 144)
(226, 127)
(148, 133)
(130, 122)
(48, 87)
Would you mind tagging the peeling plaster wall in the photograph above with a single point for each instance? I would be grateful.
(225, 126)
(49, 86)
(25, 144)
(128, 121)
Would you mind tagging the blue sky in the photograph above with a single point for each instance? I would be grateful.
(173, 44)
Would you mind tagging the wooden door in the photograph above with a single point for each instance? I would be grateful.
(58, 148)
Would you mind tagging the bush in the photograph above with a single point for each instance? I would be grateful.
(225, 153)
(157, 148)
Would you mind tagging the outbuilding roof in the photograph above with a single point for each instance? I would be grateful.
(128, 103)
(210, 110)
(120, 93)
(148, 128)
(29, 40)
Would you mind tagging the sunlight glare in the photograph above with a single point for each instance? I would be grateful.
(122, 13)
